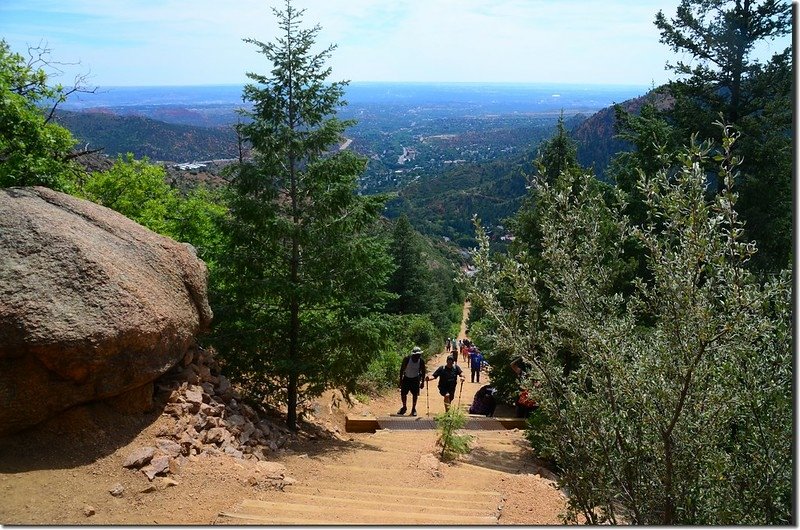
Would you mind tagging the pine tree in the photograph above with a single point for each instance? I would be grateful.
(723, 80)
(720, 36)
(558, 154)
(305, 271)
(408, 279)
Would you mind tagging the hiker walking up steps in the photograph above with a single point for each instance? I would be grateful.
(412, 379)
(475, 364)
(448, 376)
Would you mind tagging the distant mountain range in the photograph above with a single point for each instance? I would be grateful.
(438, 124)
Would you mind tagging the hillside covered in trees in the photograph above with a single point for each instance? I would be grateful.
(648, 297)
(145, 137)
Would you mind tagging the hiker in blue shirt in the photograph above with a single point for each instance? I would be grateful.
(475, 364)
(448, 376)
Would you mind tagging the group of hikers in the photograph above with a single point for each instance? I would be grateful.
(413, 375)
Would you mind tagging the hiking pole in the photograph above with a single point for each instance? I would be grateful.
(460, 390)
(427, 399)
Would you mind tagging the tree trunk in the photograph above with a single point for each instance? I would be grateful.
(294, 266)
(669, 502)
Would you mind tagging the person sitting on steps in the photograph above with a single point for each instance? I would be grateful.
(448, 376)
(412, 379)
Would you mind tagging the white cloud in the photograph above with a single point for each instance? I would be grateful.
(200, 41)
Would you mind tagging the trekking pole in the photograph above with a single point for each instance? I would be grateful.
(427, 398)
(460, 390)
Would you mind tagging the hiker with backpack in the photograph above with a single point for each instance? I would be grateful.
(475, 364)
(448, 376)
(412, 379)
(465, 349)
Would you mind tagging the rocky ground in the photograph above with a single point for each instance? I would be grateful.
(180, 464)
(201, 452)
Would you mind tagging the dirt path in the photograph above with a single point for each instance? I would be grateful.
(395, 477)
(70, 472)
(430, 403)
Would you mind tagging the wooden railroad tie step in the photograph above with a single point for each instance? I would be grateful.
(371, 424)
(267, 512)
(386, 502)
(428, 493)
(432, 497)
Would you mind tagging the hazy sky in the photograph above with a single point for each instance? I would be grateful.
(192, 42)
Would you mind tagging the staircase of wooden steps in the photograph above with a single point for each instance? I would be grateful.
(392, 477)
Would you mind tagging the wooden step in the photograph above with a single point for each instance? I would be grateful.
(370, 424)
(269, 511)
(374, 475)
(392, 494)
(501, 469)
(409, 503)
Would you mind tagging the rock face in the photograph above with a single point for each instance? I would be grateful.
(92, 304)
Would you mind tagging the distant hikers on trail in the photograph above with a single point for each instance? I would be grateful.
(414, 374)
(448, 376)
(465, 344)
(412, 379)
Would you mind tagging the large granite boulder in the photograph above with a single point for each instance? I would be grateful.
(92, 304)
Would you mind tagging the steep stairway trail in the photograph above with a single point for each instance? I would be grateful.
(394, 476)
(430, 402)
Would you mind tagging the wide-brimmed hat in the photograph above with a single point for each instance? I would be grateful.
(416, 351)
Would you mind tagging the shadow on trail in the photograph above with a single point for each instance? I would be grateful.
(518, 458)
(75, 437)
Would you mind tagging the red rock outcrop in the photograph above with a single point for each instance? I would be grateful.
(92, 304)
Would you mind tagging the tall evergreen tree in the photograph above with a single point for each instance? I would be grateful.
(723, 80)
(305, 271)
(557, 158)
(557, 155)
(408, 279)
(720, 36)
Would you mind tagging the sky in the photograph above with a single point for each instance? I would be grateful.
(199, 42)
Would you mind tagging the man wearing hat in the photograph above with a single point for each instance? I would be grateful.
(412, 379)
(448, 376)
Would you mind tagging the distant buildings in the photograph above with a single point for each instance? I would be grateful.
(190, 166)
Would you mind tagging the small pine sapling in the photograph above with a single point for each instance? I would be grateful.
(452, 444)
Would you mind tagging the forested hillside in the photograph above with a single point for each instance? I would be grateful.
(444, 205)
(145, 137)
(644, 295)
(650, 312)
(597, 136)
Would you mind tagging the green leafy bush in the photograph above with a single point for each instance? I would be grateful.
(666, 399)
(34, 151)
(382, 372)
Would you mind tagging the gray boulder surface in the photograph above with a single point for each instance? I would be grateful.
(92, 304)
